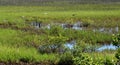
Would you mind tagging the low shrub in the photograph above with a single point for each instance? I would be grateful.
(108, 62)
(117, 55)
(66, 59)
(80, 58)
(116, 40)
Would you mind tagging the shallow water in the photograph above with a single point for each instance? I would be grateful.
(108, 30)
(71, 45)
(36, 24)
(77, 26)
(108, 47)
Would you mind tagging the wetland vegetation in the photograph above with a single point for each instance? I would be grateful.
(56, 34)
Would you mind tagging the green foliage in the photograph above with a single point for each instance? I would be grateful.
(83, 60)
(108, 61)
(80, 58)
(105, 15)
(116, 40)
(76, 57)
(117, 55)
(56, 35)
(86, 47)
(87, 36)
(54, 41)
(23, 54)
(66, 59)
(12, 42)
(10, 37)
(56, 30)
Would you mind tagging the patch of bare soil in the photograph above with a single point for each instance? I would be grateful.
(24, 63)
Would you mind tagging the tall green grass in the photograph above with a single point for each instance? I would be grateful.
(107, 15)
(20, 38)
(102, 57)
(23, 54)
(17, 45)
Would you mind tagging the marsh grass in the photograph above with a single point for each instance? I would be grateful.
(23, 54)
(105, 15)
(20, 45)
(19, 38)
(103, 57)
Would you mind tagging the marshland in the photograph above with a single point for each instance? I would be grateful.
(59, 32)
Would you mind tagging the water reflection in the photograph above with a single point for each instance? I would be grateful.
(36, 24)
(77, 26)
(70, 44)
(109, 47)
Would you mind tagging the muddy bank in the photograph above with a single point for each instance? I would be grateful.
(76, 26)
(25, 63)
(30, 29)
(36, 26)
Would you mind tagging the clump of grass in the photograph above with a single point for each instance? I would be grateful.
(102, 57)
(88, 36)
(20, 38)
(23, 54)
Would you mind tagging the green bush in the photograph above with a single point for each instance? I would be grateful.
(80, 58)
(117, 55)
(56, 30)
(83, 60)
(55, 44)
(66, 59)
(76, 57)
(116, 40)
(23, 54)
(108, 62)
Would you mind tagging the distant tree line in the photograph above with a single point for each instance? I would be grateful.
(42, 2)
